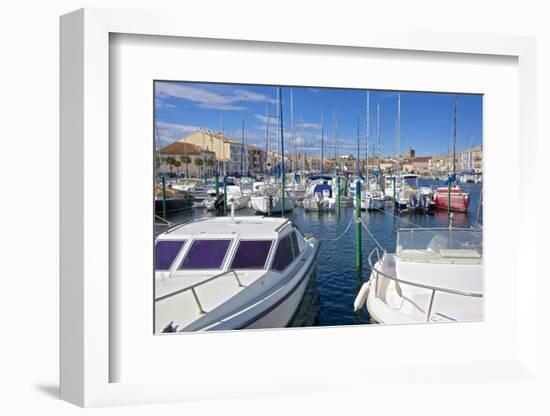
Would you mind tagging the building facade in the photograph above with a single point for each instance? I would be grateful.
(230, 154)
(176, 153)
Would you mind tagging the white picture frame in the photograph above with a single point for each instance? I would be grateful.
(86, 356)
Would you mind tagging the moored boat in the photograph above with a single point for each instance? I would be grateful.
(459, 199)
(272, 203)
(435, 275)
(226, 273)
(320, 194)
(173, 201)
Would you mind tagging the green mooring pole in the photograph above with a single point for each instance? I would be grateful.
(225, 195)
(394, 200)
(163, 197)
(358, 257)
(449, 198)
(339, 193)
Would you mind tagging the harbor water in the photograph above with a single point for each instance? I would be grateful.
(329, 299)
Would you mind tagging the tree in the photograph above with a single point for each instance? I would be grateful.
(177, 164)
(209, 163)
(170, 161)
(199, 162)
(185, 160)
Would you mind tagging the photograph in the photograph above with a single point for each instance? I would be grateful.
(284, 206)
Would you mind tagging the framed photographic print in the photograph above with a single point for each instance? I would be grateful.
(238, 212)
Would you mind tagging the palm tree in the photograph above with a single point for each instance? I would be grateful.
(170, 161)
(199, 162)
(210, 163)
(185, 160)
(177, 164)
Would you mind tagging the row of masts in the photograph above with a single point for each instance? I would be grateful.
(302, 157)
(295, 166)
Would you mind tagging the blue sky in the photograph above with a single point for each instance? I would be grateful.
(426, 118)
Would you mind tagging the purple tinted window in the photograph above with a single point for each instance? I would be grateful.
(283, 256)
(205, 254)
(251, 254)
(295, 245)
(165, 253)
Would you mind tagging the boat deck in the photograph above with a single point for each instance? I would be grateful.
(244, 226)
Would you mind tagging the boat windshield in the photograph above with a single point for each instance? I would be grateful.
(205, 254)
(251, 254)
(166, 252)
(440, 245)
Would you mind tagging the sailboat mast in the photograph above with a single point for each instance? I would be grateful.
(242, 142)
(280, 99)
(292, 129)
(303, 140)
(157, 143)
(267, 122)
(376, 153)
(334, 133)
(367, 143)
(322, 145)
(337, 158)
(398, 129)
(454, 137)
(358, 160)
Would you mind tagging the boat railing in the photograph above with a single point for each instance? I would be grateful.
(193, 288)
(434, 289)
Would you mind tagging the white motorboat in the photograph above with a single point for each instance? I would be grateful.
(411, 197)
(436, 275)
(271, 203)
(371, 200)
(225, 273)
(388, 188)
(320, 194)
(236, 196)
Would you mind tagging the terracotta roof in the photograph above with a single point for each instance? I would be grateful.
(422, 159)
(177, 148)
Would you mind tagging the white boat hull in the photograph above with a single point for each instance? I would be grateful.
(313, 204)
(283, 314)
(390, 302)
(371, 204)
(266, 205)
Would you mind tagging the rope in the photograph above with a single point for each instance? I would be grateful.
(168, 223)
(368, 231)
(341, 235)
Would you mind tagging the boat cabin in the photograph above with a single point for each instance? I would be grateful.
(217, 265)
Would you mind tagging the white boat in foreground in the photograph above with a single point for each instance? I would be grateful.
(436, 275)
(226, 273)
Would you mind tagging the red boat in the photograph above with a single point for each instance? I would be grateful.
(459, 199)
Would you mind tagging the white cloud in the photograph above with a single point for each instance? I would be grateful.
(204, 98)
(309, 125)
(253, 96)
(170, 132)
(263, 118)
